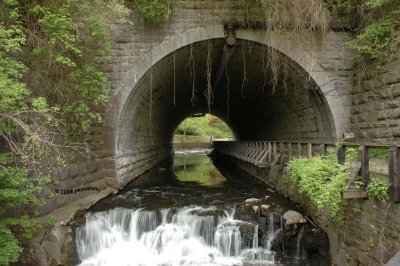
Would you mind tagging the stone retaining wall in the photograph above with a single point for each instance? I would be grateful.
(375, 112)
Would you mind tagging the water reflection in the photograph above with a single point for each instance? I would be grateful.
(196, 168)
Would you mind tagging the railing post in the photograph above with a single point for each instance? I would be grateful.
(270, 152)
(324, 149)
(394, 173)
(309, 150)
(282, 152)
(299, 149)
(341, 154)
(364, 159)
(289, 151)
(275, 151)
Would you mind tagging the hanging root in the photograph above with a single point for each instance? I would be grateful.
(227, 89)
(300, 18)
(244, 80)
(274, 64)
(209, 96)
(192, 74)
(264, 69)
(151, 101)
(174, 79)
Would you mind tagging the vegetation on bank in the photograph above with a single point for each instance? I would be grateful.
(324, 180)
(207, 125)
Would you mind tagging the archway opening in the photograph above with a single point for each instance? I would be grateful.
(253, 101)
(202, 128)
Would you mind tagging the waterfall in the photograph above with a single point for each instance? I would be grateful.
(299, 248)
(187, 236)
(255, 236)
(272, 232)
(227, 238)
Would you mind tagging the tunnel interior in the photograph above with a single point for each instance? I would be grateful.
(240, 92)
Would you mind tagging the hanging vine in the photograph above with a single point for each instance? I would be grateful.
(227, 89)
(174, 79)
(244, 79)
(192, 70)
(151, 101)
(209, 91)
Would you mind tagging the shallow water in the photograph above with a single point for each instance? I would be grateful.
(186, 218)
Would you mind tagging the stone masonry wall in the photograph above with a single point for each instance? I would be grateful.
(375, 112)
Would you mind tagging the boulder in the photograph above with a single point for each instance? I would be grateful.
(293, 217)
(252, 201)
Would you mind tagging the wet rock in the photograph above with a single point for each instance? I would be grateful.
(293, 217)
(34, 254)
(53, 251)
(68, 246)
(265, 207)
(252, 201)
(246, 213)
(315, 240)
(247, 234)
(264, 212)
(213, 213)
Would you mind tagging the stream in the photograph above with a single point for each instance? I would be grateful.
(191, 214)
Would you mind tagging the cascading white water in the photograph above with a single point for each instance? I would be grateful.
(300, 254)
(272, 232)
(258, 254)
(186, 236)
(255, 236)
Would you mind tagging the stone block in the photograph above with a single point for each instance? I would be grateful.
(392, 104)
(395, 90)
(93, 177)
(111, 173)
(383, 93)
(363, 98)
(357, 110)
(396, 131)
(91, 166)
(379, 106)
(368, 85)
(382, 116)
(395, 114)
(361, 118)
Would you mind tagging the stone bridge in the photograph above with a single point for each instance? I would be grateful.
(158, 77)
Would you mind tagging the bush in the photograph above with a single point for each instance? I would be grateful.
(323, 180)
(378, 189)
(373, 41)
(152, 11)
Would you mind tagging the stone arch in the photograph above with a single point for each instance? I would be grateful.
(131, 80)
